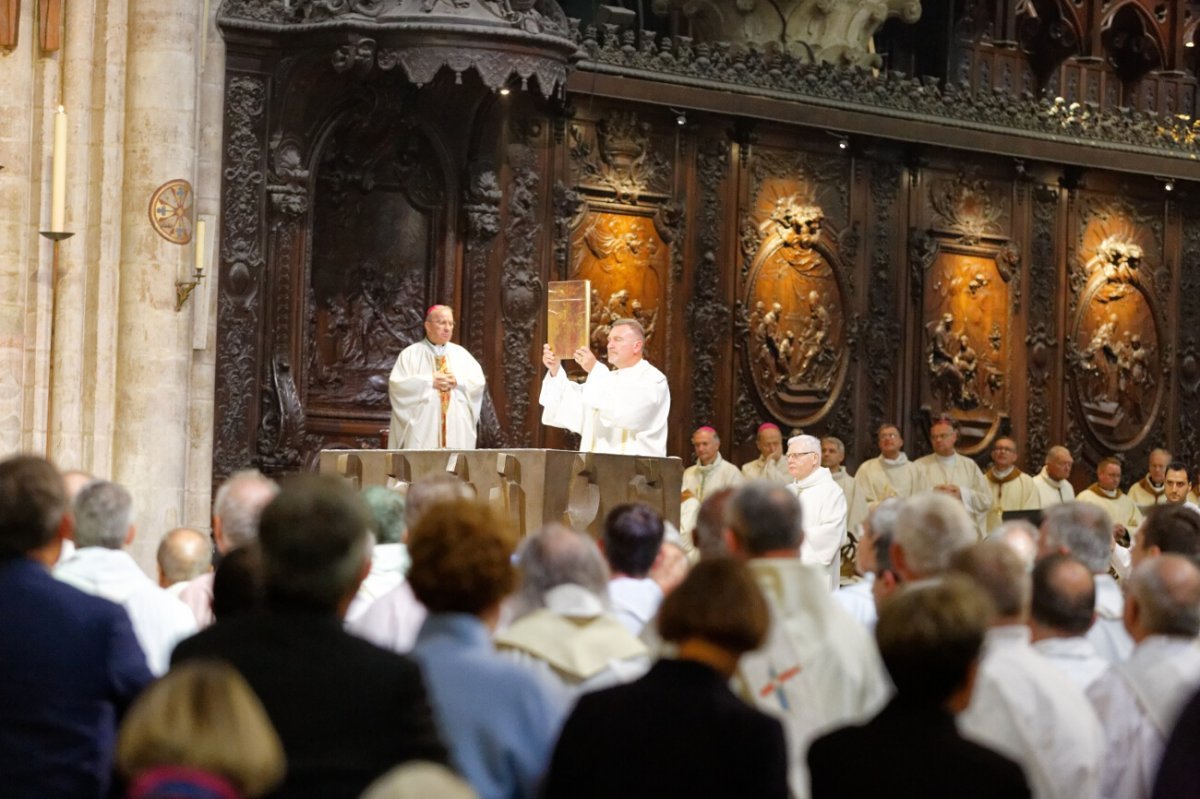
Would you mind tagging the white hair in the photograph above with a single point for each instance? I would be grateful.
(930, 529)
(805, 443)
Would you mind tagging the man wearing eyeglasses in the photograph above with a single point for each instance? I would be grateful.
(948, 472)
(1012, 489)
(822, 506)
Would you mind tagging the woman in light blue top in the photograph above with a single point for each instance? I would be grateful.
(498, 718)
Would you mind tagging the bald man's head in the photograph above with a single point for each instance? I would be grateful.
(183, 554)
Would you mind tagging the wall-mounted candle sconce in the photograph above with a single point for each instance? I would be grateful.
(203, 249)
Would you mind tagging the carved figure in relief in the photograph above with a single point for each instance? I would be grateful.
(647, 318)
(1119, 262)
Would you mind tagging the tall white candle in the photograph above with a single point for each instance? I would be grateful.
(201, 241)
(58, 174)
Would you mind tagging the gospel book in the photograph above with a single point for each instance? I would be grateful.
(568, 315)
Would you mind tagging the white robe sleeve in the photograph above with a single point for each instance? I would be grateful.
(562, 402)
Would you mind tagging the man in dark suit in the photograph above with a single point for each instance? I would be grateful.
(345, 710)
(929, 636)
(69, 662)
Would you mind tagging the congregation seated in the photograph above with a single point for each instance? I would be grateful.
(679, 730)
(393, 620)
(562, 627)
(101, 566)
(200, 733)
(389, 557)
(1138, 701)
(929, 637)
(59, 643)
(238, 583)
(1022, 706)
(818, 667)
(498, 717)
(1085, 530)
(183, 555)
(1062, 611)
(345, 710)
(632, 544)
(236, 510)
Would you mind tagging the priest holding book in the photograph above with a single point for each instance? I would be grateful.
(436, 389)
(621, 410)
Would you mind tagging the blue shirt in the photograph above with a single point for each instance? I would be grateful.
(499, 718)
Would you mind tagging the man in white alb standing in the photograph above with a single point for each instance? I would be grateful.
(1054, 480)
(436, 389)
(621, 410)
(822, 505)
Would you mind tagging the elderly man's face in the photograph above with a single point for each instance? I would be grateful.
(943, 437)
(1058, 466)
(1109, 476)
(1176, 485)
(800, 462)
(831, 456)
(770, 443)
(890, 443)
(1158, 467)
(1004, 453)
(705, 444)
(439, 325)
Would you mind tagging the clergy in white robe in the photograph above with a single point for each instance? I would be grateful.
(436, 390)
(823, 504)
(1054, 480)
(1064, 602)
(819, 669)
(708, 475)
(1023, 706)
(889, 475)
(770, 463)
(1139, 701)
(623, 410)
(1177, 488)
(1012, 489)
(946, 471)
(833, 455)
(1152, 489)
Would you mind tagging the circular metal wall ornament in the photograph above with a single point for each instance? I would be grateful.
(171, 211)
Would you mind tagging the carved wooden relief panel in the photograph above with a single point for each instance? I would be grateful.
(621, 224)
(965, 275)
(627, 260)
(377, 201)
(1116, 349)
(795, 293)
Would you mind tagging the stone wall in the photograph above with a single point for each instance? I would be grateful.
(98, 370)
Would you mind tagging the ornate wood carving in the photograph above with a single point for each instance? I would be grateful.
(882, 336)
(706, 315)
(1116, 352)
(242, 261)
(1041, 339)
(965, 269)
(521, 284)
(759, 71)
(1188, 362)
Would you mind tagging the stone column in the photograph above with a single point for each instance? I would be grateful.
(27, 87)
(151, 430)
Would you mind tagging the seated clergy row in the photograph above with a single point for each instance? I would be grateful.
(809, 466)
(366, 632)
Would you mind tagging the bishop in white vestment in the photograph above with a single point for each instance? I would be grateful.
(436, 390)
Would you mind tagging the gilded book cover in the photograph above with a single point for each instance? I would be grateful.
(568, 313)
